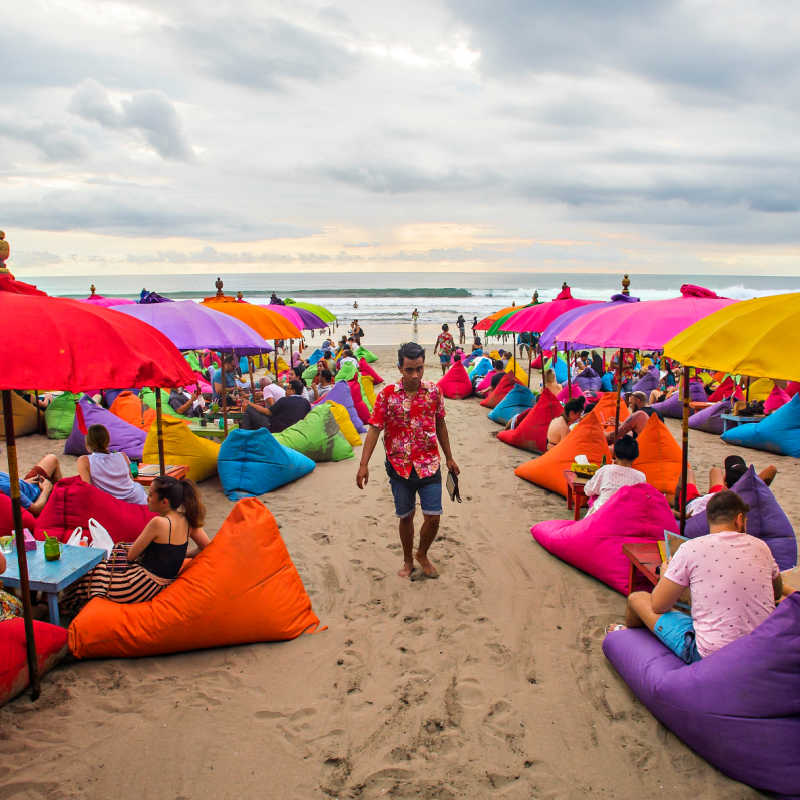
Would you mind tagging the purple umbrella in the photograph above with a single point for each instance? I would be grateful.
(301, 317)
(192, 326)
(550, 335)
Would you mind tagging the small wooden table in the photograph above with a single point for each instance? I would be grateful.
(210, 431)
(644, 558)
(733, 420)
(51, 577)
(176, 471)
(575, 494)
(699, 405)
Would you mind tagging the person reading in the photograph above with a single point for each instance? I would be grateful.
(611, 477)
(561, 426)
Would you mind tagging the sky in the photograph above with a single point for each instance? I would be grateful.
(428, 135)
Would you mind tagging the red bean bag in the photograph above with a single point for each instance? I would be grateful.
(358, 400)
(792, 388)
(725, 390)
(531, 433)
(506, 384)
(7, 518)
(72, 502)
(365, 369)
(242, 588)
(51, 647)
(456, 383)
(659, 456)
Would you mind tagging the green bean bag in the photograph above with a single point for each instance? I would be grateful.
(346, 372)
(148, 397)
(317, 436)
(193, 361)
(59, 416)
(309, 373)
(367, 355)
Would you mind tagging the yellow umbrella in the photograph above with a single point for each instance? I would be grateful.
(755, 337)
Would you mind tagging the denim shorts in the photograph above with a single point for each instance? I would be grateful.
(676, 631)
(404, 491)
(444, 358)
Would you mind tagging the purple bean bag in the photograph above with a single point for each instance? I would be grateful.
(673, 405)
(594, 544)
(777, 433)
(710, 419)
(589, 381)
(341, 394)
(648, 381)
(739, 708)
(125, 438)
(766, 520)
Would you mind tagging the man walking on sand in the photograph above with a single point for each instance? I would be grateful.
(410, 413)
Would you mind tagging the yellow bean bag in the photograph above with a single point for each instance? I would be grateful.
(282, 365)
(368, 390)
(760, 389)
(515, 369)
(25, 416)
(345, 423)
(181, 446)
(494, 355)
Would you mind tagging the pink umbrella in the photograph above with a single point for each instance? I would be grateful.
(288, 313)
(106, 302)
(537, 318)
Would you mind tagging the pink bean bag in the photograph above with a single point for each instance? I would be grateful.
(565, 395)
(7, 518)
(594, 544)
(366, 369)
(486, 381)
(455, 383)
(792, 388)
(358, 400)
(725, 390)
(72, 502)
(777, 398)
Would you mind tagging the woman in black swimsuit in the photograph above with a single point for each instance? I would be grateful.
(139, 571)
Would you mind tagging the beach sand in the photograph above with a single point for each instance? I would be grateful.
(489, 682)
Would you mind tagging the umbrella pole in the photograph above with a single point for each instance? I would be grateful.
(275, 358)
(159, 433)
(530, 361)
(541, 355)
(39, 426)
(252, 382)
(684, 446)
(747, 390)
(22, 556)
(224, 402)
(569, 377)
(291, 358)
(619, 391)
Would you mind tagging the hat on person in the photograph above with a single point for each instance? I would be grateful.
(735, 467)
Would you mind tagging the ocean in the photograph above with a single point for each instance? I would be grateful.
(389, 298)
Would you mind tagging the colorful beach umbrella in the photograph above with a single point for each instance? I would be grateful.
(287, 312)
(308, 321)
(267, 323)
(8, 283)
(551, 334)
(496, 328)
(106, 302)
(535, 319)
(320, 311)
(487, 322)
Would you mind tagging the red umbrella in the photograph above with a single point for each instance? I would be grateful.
(74, 346)
(8, 283)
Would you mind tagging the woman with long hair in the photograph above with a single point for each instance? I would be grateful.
(110, 472)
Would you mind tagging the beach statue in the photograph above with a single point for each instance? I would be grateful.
(219, 284)
(535, 298)
(5, 251)
(355, 304)
(626, 285)
(239, 297)
(92, 290)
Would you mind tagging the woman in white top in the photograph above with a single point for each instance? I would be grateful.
(614, 476)
(110, 472)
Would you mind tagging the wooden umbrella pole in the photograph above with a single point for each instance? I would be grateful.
(291, 346)
(22, 556)
(275, 358)
(684, 447)
(252, 382)
(39, 426)
(747, 390)
(569, 377)
(541, 356)
(162, 469)
(619, 391)
(530, 361)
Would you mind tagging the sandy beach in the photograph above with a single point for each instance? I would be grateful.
(489, 682)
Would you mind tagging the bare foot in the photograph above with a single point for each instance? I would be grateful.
(407, 569)
(428, 570)
(612, 628)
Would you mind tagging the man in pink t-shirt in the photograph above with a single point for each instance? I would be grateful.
(734, 583)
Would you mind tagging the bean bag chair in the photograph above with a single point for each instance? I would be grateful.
(242, 588)
(710, 419)
(282, 365)
(148, 397)
(455, 383)
(725, 390)
(317, 436)
(671, 407)
(777, 433)
(531, 433)
(341, 394)
(7, 518)
(506, 384)
(607, 382)
(192, 360)
(315, 356)
(309, 373)
(26, 417)
(345, 423)
(519, 399)
(51, 647)
(739, 708)
(586, 438)
(792, 388)
(347, 372)
(59, 416)
(594, 544)
(659, 456)
(365, 369)
(362, 352)
(568, 392)
(648, 381)
(494, 355)
(560, 368)
(485, 383)
(110, 395)
(181, 446)
(760, 389)
(254, 462)
(73, 502)
(360, 406)
(589, 382)
(367, 391)
(125, 438)
(513, 368)
(766, 520)
(606, 410)
(129, 407)
(480, 368)
(777, 398)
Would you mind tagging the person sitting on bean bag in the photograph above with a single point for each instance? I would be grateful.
(280, 414)
(640, 413)
(551, 383)
(611, 477)
(35, 487)
(110, 472)
(138, 571)
(561, 426)
(733, 578)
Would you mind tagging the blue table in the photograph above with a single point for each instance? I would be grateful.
(734, 420)
(51, 577)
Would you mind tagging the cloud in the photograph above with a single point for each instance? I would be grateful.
(52, 140)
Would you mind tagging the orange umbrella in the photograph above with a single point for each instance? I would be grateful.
(487, 322)
(269, 324)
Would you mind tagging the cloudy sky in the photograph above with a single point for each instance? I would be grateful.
(637, 135)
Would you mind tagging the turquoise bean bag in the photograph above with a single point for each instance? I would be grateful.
(777, 433)
(516, 401)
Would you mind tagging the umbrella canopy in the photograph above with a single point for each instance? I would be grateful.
(152, 297)
(551, 334)
(753, 337)
(8, 283)
(287, 312)
(267, 323)
(320, 311)
(307, 320)
(192, 326)
(487, 322)
(536, 318)
(106, 302)
(644, 326)
(497, 325)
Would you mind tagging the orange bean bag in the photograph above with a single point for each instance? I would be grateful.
(606, 410)
(242, 588)
(659, 456)
(586, 438)
(129, 407)
(506, 384)
(531, 433)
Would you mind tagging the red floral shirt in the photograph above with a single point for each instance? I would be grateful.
(409, 426)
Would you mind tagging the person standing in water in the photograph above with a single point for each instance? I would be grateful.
(415, 319)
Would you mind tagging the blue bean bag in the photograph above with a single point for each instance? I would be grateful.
(739, 708)
(777, 433)
(710, 419)
(517, 400)
(315, 356)
(125, 438)
(560, 368)
(253, 462)
(481, 368)
(766, 519)
(648, 381)
(589, 381)
(341, 394)
(607, 382)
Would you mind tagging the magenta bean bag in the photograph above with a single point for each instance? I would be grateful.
(358, 400)
(7, 519)
(341, 394)
(456, 383)
(710, 419)
(565, 394)
(125, 438)
(486, 383)
(365, 369)
(777, 398)
(792, 388)
(739, 708)
(766, 519)
(594, 544)
(648, 381)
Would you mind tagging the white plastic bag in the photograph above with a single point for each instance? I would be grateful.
(75, 537)
(100, 536)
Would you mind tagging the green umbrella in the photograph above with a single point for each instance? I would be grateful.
(320, 311)
(497, 325)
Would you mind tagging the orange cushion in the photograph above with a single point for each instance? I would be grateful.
(242, 588)
(606, 410)
(586, 438)
(506, 384)
(531, 433)
(659, 456)
(128, 406)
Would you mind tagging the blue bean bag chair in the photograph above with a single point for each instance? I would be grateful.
(648, 381)
(253, 462)
(481, 368)
(517, 400)
(777, 433)
(560, 368)
(341, 394)
(766, 519)
(739, 708)
(125, 438)
(589, 381)
(710, 419)
(607, 382)
(315, 356)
